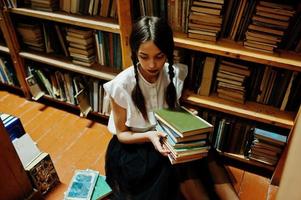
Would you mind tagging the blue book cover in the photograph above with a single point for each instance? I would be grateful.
(13, 127)
(271, 136)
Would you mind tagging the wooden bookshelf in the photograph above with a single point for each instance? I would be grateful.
(249, 110)
(105, 24)
(68, 65)
(228, 48)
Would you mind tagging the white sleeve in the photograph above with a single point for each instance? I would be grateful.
(117, 93)
(181, 71)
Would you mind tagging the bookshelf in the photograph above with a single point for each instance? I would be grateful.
(226, 48)
(118, 25)
(231, 48)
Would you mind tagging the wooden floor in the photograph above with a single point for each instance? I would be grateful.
(79, 143)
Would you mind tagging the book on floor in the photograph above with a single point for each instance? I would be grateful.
(82, 185)
(101, 189)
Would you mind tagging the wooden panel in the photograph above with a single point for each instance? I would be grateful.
(104, 24)
(290, 182)
(125, 21)
(63, 64)
(14, 182)
(249, 110)
(232, 49)
(14, 47)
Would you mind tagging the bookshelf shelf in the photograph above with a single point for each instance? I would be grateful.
(68, 65)
(4, 49)
(232, 49)
(84, 21)
(249, 110)
(243, 159)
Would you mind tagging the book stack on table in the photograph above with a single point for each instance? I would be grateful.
(187, 134)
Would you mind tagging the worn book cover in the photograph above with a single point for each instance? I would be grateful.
(183, 122)
(42, 173)
(82, 185)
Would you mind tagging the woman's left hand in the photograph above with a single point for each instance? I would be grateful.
(155, 137)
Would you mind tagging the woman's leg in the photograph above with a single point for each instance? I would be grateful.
(222, 183)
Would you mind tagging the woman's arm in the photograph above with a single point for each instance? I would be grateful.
(124, 135)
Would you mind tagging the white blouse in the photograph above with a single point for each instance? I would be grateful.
(120, 89)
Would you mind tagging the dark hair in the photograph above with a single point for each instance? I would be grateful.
(157, 30)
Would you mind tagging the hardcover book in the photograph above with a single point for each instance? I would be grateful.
(42, 173)
(101, 189)
(183, 122)
(82, 185)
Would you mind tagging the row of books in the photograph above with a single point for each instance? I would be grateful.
(104, 8)
(242, 81)
(86, 92)
(187, 134)
(7, 72)
(84, 46)
(260, 25)
(233, 135)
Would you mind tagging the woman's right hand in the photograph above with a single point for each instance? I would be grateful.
(155, 138)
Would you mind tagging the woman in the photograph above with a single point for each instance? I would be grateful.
(136, 162)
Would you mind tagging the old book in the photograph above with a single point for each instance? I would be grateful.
(207, 4)
(211, 11)
(266, 29)
(270, 137)
(82, 98)
(183, 122)
(202, 37)
(42, 173)
(208, 70)
(175, 137)
(82, 185)
(34, 88)
(101, 189)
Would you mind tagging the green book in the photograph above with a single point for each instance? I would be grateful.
(101, 189)
(183, 122)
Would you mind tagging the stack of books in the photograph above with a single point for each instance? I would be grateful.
(231, 79)
(81, 46)
(32, 36)
(205, 19)
(268, 26)
(87, 185)
(45, 5)
(187, 134)
(37, 164)
(267, 146)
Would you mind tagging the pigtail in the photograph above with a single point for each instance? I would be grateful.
(137, 95)
(171, 94)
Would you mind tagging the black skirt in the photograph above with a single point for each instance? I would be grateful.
(138, 171)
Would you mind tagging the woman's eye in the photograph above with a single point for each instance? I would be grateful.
(160, 56)
(143, 57)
